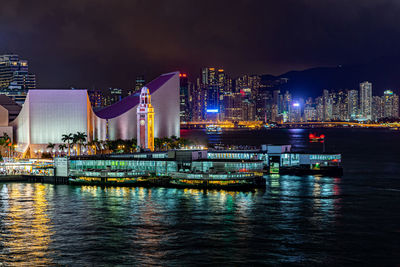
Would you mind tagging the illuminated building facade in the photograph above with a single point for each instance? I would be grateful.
(145, 120)
(48, 114)
(96, 98)
(366, 100)
(352, 104)
(390, 104)
(14, 73)
(310, 113)
(114, 97)
(210, 83)
(377, 108)
(184, 96)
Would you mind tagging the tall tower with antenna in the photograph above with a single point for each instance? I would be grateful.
(145, 121)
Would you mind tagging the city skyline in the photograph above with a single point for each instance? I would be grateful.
(214, 95)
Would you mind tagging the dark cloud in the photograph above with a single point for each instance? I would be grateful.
(107, 43)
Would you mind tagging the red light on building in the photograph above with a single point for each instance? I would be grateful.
(322, 136)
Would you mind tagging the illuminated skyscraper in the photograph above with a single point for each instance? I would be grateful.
(115, 95)
(184, 114)
(96, 98)
(233, 107)
(390, 104)
(197, 101)
(310, 113)
(14, 73)
(295, 111)
(319, 101)
(366, 100)
(211, 85)
(328, 106)
(352, 104)
(377, 108)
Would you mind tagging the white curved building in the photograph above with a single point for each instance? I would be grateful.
(48, 114)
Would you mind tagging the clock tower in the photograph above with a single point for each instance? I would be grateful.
(145, 121)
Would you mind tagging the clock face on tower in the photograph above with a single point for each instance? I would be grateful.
(142, 122)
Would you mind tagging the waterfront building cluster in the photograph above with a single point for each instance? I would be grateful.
(47, 115)
(203, 168)
(214, 96)
(101, 98)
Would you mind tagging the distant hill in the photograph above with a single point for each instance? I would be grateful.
(383, 73)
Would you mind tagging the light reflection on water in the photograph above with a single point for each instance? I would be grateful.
(47, 224)
(26, 228)
(307, 220)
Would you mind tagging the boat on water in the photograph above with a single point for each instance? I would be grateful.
(213, 129)
(316, 138)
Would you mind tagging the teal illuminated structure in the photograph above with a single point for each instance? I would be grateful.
(202, 167)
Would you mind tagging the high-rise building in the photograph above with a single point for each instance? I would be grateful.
(276, 105)
(320, 108)
(197, 100)
(340, 106)
(396, 111)
(115, 95)
(352, 104)
(185, 114)
(233, 107)
(295, 111)
(210, 83)
(263, 101)
(328, 106)
(287, 100)
(366, 100)
(310, 113)
(390, 104)
(14, 74)
(96, 98)
(377, 108)
(248, 110)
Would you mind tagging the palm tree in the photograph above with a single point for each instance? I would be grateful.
(62, 147)
(51, 146)
(133, 144)
(108, 144)
(158, 143)
(68, 138)
(94, 144)
(79, 138)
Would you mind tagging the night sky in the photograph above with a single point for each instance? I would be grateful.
(100, 44)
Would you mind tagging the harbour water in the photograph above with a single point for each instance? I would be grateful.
(352, 220)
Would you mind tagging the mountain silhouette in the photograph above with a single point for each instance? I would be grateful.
(383, 73)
